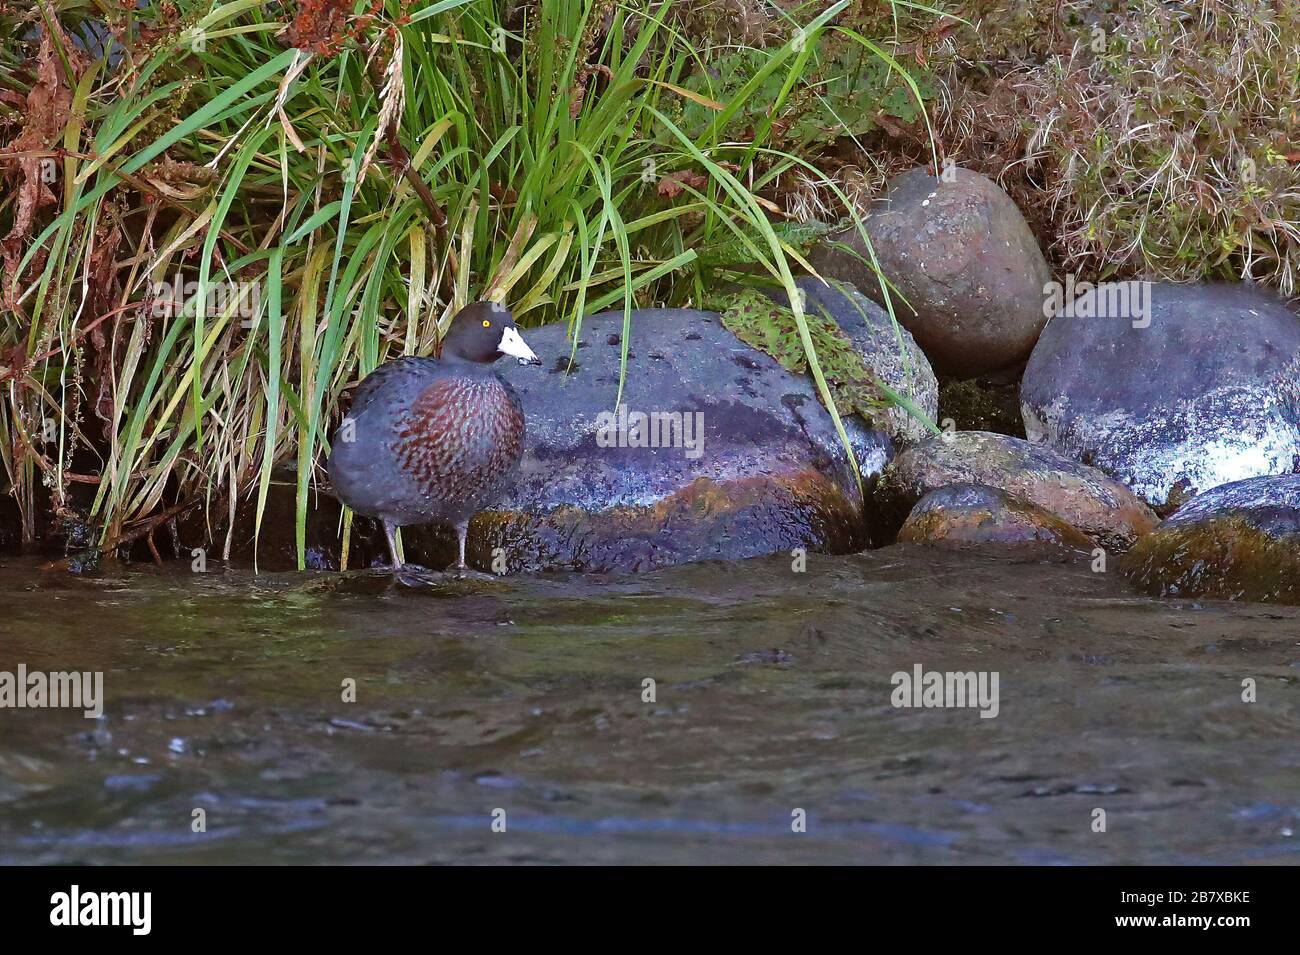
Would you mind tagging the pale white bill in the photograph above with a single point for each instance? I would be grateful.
(513, 344)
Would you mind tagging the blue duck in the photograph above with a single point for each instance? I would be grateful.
(434, 440)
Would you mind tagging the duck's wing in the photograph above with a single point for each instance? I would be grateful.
(396, 373)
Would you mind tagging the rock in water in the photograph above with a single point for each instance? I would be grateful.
(1238, 541)
(715, 452)
(1080, 496)
(1202, 390)
(978, 514)
(963, 257)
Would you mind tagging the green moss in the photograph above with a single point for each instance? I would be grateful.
(771, 328)
(1224, 559)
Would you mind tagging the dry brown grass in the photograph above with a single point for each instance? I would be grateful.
(1171, 151)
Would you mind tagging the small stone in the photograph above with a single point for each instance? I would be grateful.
(1081, 496)
(977, 514)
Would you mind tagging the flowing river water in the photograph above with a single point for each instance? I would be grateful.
(772, 694)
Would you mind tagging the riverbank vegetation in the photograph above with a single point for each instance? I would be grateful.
(332, 181)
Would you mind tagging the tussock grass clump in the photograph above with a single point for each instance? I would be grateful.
(1177, 148)
(1140, 139)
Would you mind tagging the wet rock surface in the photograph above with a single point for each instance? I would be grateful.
(715, 452)
(889, 350)
(1238, 541)
(978, 514)
(965, 260)
(1205, 394)
(1083, 497)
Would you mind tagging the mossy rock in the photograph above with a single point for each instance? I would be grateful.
(758, 321)
(873, 367)
(1239, 541)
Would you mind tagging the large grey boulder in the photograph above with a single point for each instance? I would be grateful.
(962, 256)
(1197, 388)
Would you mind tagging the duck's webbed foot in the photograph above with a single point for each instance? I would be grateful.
(413, 575)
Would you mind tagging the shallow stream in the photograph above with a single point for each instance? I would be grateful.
(772, 694)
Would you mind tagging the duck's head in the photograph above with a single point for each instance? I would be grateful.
(485, 331)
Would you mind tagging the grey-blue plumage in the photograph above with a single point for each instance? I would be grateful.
(434, 440)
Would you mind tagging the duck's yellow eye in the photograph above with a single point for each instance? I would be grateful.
(486, 323)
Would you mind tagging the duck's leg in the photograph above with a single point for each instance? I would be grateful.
(390, 531)
(462, 531)
(462, 569)
(412, 575)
